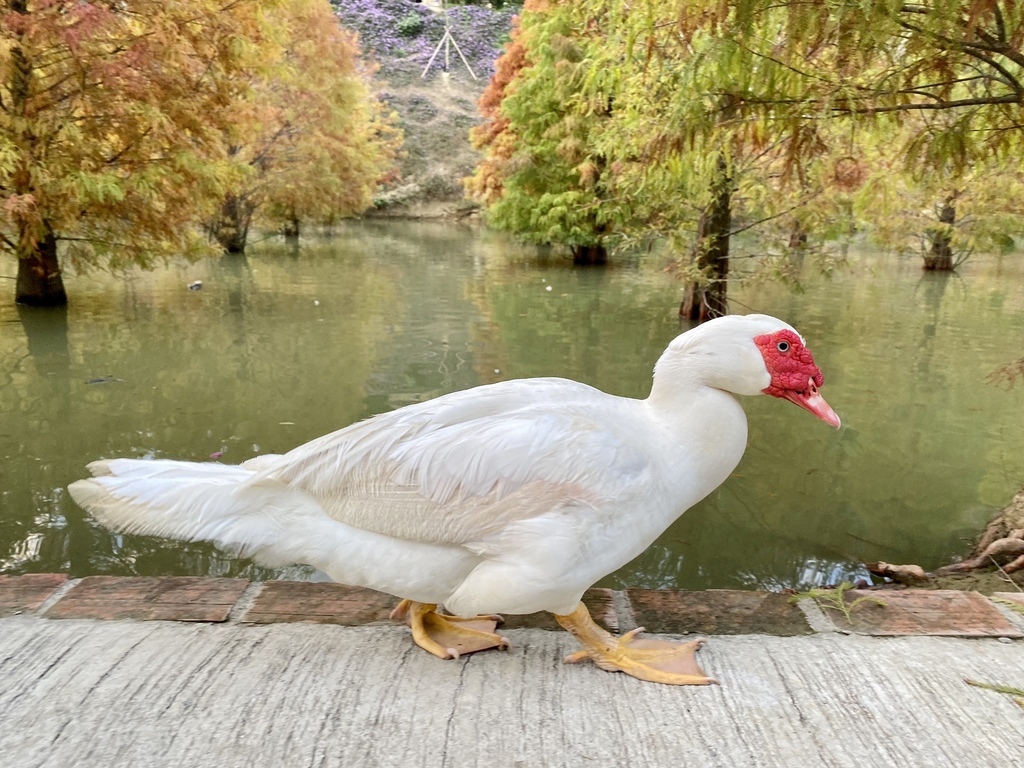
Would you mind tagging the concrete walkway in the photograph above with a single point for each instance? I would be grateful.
(101, 694)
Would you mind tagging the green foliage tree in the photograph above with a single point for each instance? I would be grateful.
(894, 116)
(112, 118)
(687, 144)
(930, 95)
(542, 176)
(612, 120)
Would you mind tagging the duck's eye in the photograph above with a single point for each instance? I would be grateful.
(783, 347)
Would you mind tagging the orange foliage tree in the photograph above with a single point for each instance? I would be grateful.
(113, 119)
(495, 135)
(315, 140)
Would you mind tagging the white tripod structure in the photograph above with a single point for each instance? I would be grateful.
(448, 42)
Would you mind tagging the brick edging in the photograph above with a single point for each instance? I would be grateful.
(712, 612)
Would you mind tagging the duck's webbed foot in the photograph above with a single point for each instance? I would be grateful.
(448, 637)
(657, 661)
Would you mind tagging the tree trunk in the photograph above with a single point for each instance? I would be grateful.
(290, 230)
(231, 229)
(706, 298)
(940, 255)
(39, 282)
(797, 235)
(589, 255)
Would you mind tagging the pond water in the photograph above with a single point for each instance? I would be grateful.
(287, 344)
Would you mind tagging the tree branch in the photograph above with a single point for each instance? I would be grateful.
(917, 107)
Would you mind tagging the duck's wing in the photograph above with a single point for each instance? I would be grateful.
(458, 469)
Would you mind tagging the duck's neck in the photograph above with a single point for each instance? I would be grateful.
(703, 434)
(674, 385)
(689, 407)
(692, 364)
(693, 400)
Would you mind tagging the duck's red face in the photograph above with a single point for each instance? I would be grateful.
(795, 377)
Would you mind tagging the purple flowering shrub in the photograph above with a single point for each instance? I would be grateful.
(480, 32)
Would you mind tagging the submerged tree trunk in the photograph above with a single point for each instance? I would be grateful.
(39, 282)
(587, 255)
(940, 255)
(706, 298)
(231, 229)
(797, 235)
(290, 230)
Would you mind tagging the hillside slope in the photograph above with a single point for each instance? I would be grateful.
(435, 110)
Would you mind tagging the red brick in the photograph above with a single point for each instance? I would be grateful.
(598, 602)
(326, 603)
(19, 594)
(319, 602)
(167, 598)
(716, 612)
(921, 612)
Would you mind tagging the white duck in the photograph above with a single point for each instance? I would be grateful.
(512, 497)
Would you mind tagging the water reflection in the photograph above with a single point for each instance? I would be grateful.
(284, 345)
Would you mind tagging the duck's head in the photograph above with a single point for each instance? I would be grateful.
(747, 355)
(794, 376)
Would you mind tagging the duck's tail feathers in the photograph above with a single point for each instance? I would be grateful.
(204, 502)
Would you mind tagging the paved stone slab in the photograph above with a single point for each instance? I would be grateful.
(600, 603)
(318, 602)
(1014, 602)
(716, 612)
(28, 591)
(921, 612)
(167, 598)
(96, 694)
(1017, 598)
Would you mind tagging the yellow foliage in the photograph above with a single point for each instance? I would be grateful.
(323, 141)
(112, 132)
(125, 125)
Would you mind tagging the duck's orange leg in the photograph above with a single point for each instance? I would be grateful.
(448, 637)
(657, 661)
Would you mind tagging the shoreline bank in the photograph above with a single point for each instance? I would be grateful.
(878, 613)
